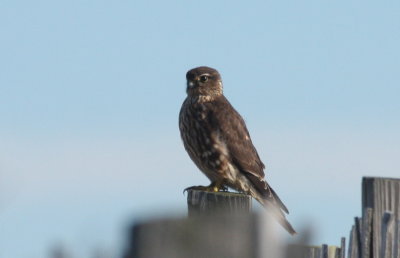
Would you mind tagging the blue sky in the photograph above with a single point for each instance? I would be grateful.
(90, 93)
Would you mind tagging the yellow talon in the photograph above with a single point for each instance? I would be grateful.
(213, 187)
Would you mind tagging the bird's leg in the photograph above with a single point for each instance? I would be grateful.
(218, 186)
(215, 186)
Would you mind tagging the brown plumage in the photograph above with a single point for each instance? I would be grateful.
(217, 140)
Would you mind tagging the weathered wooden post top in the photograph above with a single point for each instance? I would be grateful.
(206, 203)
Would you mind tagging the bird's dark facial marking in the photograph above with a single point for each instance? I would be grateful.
(190, 76)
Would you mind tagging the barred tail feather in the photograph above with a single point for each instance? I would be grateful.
(281, 219)
(265, 195)
(277, 214)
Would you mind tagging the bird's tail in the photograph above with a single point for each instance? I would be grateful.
(286, 225)
(276, 211)
(280, 217)
(265, 195)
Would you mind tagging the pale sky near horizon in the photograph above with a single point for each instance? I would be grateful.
(90, 93)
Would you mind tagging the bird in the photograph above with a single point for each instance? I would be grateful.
(216, 138)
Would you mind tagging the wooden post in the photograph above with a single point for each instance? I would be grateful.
(198, 236)
(201, 202)
(381, 195)
(358, 232)
(353, 251)
(396, 247)
(387, 235)
(366, 234)
(219, 225)
(303, 251)
(343, 247)
(324, 251)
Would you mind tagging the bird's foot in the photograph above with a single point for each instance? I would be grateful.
(223, 189)
(198, 188)
(213, 187)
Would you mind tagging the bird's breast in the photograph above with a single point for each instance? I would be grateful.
(202, 140)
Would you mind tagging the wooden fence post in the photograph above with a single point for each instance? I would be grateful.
(396, 247)
(324, 251)
(381, 195)
(219, 225)
(201, 202)
(358, 234)
(366, 234)
(352, 250)
(342, 247)
(197, 237)
(387, 235)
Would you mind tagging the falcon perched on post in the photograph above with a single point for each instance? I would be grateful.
(216, 139)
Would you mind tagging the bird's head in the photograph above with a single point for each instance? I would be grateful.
(203, 81)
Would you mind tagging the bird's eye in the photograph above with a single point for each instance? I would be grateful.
(203, 78)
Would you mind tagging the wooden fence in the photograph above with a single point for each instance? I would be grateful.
(223, 225)
(377, 233)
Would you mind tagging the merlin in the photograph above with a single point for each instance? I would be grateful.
(217, 140)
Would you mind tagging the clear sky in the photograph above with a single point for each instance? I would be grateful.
(90, 93)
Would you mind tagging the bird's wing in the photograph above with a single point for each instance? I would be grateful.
(242, 152)
(233, 132)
